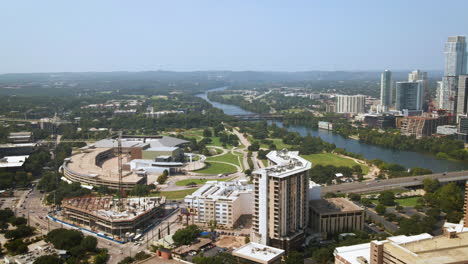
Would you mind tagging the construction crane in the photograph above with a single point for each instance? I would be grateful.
(119, 158)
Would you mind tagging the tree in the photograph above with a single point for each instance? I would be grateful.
(63, 238)
(387, 198)
(254, 147)
(294, 257)
(323, 255)
(366, 202)
(16, 221)
(186, 235)
(127, 260)
(354, 197)
(16, 247)
(89, 243)
(163, 177)
(451, 201)
(141, 256)
(21, 231)
(431, 185)
(207, 132)
(48, 259)
(140, 190)
(380, 209)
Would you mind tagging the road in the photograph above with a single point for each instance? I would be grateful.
(381, 185)
(36, 213)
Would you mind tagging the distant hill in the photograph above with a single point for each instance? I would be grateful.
(236, 76)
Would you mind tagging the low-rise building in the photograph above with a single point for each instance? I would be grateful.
(20, 137)
(222, 202)
(257, 253)
(447, 130)
(335, 215)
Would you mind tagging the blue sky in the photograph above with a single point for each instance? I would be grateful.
(187, 35)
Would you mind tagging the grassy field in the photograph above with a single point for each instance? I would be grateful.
(332, 159)
(277, 141)
(217, 168)
(173, 195)
(228, 157)
(405, 202)
(200, 181)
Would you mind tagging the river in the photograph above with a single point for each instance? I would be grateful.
(409, 159)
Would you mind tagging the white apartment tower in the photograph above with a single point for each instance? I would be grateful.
(354, 104)
(386, 90)
(455, 65)
(281, 201)
(220, 202)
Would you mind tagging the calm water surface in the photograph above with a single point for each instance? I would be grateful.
(408, 159)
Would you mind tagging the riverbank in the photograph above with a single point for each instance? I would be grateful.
(408, 159)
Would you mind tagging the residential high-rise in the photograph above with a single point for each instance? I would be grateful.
(462, 103)
(418, 75)
(386, 89)
(455, 65)
(409, 95)
(221, 202)
(281, 201)
(351, 104)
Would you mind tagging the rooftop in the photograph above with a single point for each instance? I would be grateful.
(107, 207)
(134, 141)
(13, 161)
(440, 249)
(286, 163)
(333, 205)
(85, 164)
(259, 253)
(221, 190)
(353, 254)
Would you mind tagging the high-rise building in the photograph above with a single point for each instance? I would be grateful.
(409, 95)
(462, 104)
(281, 201)
(417, 75)
(351, 104)
(455, 65)
(386, 90)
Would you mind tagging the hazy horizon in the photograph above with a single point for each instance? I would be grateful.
(268, 36)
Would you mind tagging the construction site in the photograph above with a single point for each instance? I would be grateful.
(118, 217)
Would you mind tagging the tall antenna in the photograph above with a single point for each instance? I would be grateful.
(119, 153)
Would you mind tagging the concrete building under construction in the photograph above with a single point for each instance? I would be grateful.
(108, 215)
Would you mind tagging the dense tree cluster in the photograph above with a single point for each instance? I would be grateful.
(78, 245)
(186, 235)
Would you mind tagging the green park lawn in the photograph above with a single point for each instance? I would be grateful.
(405, 202)
(217, 168)
(228, 157)
(332, 159)
(199, 181)
(173, 195)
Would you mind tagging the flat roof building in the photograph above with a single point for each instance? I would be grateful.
(281, 200)
(258, 253)
(335, 215)
(222, 202)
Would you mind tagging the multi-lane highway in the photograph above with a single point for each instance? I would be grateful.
(395, 183)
